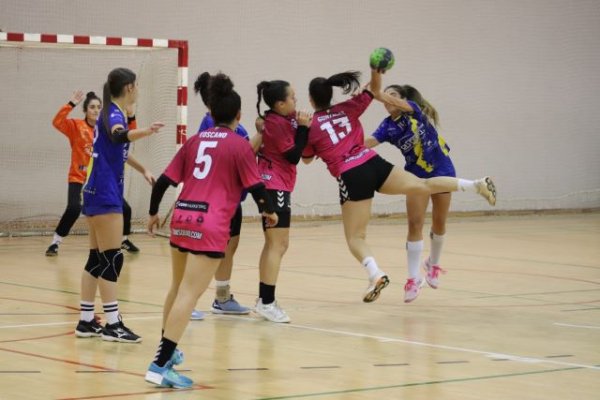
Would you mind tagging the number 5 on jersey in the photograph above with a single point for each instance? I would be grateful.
(334, 134)
(203, 161)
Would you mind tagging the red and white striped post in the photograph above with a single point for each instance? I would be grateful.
(180, 45)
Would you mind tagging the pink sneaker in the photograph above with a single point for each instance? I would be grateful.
(412, 289)
(433, 274)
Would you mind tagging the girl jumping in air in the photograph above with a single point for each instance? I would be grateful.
(337, 137)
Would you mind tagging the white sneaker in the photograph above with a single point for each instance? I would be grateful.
(271, 312)
(433, 274)
(376, 285)
(486, 188)
(412, 288)
(197, 315)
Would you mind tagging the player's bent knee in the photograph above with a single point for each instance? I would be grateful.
(93, 265)
(113, 262)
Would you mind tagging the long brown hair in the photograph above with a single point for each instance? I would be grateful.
(410, 93)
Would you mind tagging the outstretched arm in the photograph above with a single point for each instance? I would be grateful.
(378, 94)
(66, 125)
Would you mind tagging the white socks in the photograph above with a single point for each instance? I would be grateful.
(111, 312)
(87, 310)
(413, 251)
(466, 185)
(371, 266)
(57, 239)
(437, 242)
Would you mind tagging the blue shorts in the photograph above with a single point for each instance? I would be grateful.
(93, 210)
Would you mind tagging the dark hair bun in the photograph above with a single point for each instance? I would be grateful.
(91, 95)
(201, 82)
(221, 85)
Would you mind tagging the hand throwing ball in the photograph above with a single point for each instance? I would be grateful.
(382, 58)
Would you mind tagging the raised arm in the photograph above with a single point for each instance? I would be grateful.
(378, 94)
(61, 121)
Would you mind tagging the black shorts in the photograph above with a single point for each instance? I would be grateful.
(283, 208)
(235, 227)
(361, 182)
(209, 254)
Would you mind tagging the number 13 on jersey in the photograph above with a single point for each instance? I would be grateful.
(337, 129)
(204, 161)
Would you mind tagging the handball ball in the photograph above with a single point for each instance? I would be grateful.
(382, 58)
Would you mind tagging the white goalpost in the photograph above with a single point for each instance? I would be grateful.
(38, 73)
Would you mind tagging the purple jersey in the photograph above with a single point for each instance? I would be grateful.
(425, 151)
(215, 166)
(278, 137)
(105, 175)
(337, 136)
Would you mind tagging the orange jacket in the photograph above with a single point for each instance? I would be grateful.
(80, 136)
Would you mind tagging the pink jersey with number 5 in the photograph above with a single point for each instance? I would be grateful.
(337, 136)
(215, 166)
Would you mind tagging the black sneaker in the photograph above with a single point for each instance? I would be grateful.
(119, 333)
(52, 250)
(87, 329)
(130, 247)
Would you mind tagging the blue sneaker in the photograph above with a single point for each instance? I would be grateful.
(177, 357)
(167, 377)
(197, 315)
(230, 306)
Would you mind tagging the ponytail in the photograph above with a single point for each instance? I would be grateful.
(117, 79)
(201, 86)
(260, 88)
(412, 94)
(321, 89)
(106, 102)
(431, 112)
(272, 92)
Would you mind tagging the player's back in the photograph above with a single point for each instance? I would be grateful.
(212, 170)
(337, 135)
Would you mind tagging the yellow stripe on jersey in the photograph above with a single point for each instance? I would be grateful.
(443, 146)
(418, 147)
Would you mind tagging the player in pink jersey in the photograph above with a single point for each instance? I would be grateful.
(215, 166)
(284, 136)
(337, 137)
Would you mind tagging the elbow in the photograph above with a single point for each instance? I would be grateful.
(308, 160)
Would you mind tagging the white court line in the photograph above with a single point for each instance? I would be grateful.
(440, 346)
(67, 323)
(577, 326)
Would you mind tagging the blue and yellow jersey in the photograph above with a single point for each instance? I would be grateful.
(104, 183)
(426, 153)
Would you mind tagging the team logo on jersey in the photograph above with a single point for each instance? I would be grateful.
(266, 177)
(192, 205)
(187, 233)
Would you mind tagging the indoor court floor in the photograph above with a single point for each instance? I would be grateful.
(517, 316)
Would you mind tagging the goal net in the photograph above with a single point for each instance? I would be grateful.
(38, 79)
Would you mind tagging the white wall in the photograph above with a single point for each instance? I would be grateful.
(516, 82)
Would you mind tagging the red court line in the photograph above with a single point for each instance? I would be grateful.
(105, 396)
(197, 387)
(41, 302)
(37, 337)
